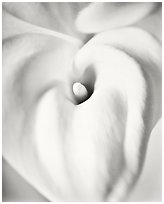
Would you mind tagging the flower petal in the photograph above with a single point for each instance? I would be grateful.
(147, 52)
(56, 16)
(99, 17)
(13, 26)
(32, 64)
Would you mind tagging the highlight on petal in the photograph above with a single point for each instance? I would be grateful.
(145, 49)
(149, 59)
(99, 17)
(140, 81)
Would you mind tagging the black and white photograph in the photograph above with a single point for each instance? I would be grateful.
(81, 101)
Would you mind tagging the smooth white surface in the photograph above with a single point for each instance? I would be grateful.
(148, 188)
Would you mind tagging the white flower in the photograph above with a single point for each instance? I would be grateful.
(84, 143)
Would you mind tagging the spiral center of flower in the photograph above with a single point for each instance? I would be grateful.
(84, 89)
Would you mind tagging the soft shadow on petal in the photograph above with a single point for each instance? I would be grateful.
(56, 16)
(23, 192)
(13, 26)
(152, 23)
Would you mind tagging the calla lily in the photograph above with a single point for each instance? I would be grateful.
(82, 93)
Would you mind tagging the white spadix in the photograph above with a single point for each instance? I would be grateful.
(80, 90)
